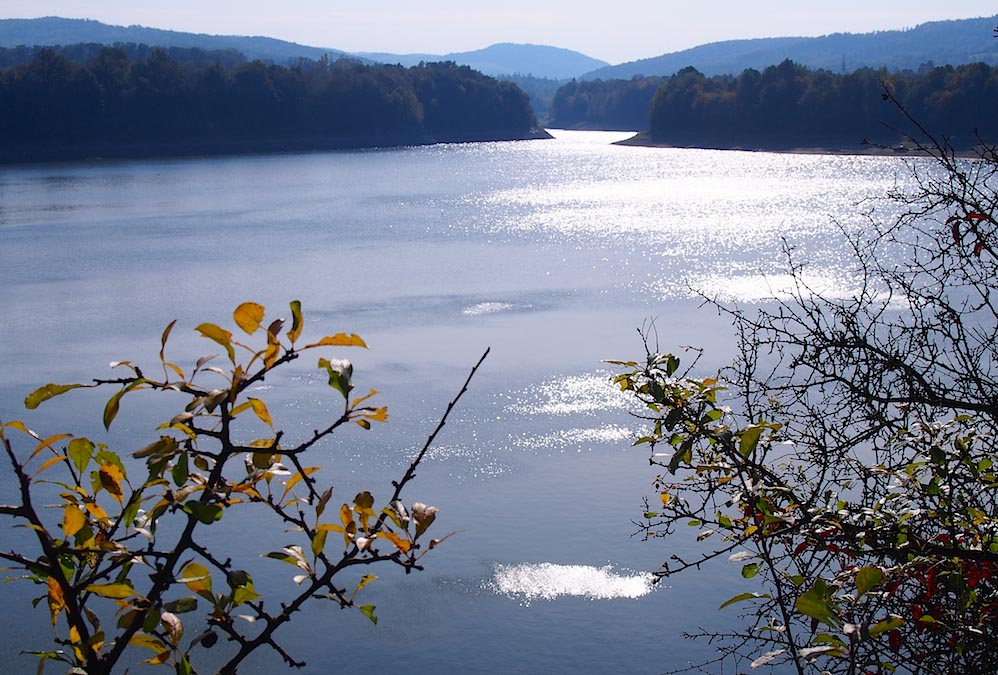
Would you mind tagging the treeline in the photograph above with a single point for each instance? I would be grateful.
(604, 104)
(135, 51)
(789, 105)
(53, 107)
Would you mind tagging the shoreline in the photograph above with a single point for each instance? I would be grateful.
(643, 140)
(95, 152)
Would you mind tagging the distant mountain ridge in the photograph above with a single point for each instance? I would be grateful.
(941, 42)
(506, 58)
(498, 59)
(54, 30)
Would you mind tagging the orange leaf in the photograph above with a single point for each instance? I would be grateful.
(57, 601)
(339, 340)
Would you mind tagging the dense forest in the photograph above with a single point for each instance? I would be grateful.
(604, 104)
(788, 105)
(54, 107)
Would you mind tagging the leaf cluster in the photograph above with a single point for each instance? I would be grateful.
(128, 550)
(846, 459)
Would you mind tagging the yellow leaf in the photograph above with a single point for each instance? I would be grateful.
(346, 515)
(361, 399)
(297, 477)
(57, 602)
(296, 321)
(260, 408)
(49, 462)
(159, 659)
(339, 340)
(110, 479)
(47, 443)
(379, 414)
(272, 353)
(219, 335)
(96, 511)
(319, 542)
(196, 577)
(248, 316)
(364, 581)
(147, 641)
(73, 519)
(76, 642)
(117, 591)
(401, 544)
(176, 369)
(19, 425)
(666, 498)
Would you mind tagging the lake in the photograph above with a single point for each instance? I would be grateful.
(553, 253)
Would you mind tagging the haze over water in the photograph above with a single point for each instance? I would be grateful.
(552, 253)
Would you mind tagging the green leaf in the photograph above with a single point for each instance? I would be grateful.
(889, 624)
(204, 513)
(188, 604)
(80, 451)
(45, 393)
(117, 591)
(816, 603)
(368, 611)
(340, 372)
(319, 542)
(165, 447)
(111, 409)
(749, 439)
(751, 569)
(867, 578)
(180, 470)
(742, 597)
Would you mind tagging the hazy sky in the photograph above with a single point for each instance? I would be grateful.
(616, 31)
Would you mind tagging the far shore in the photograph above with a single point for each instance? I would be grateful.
(643, 139)
(99, 151)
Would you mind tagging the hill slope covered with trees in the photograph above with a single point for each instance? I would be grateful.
(111, 105)
(786, 106)
(939, 42)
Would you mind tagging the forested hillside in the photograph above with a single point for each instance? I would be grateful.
(111, 105)
(938, 42)
(787, 105)
(604, 104)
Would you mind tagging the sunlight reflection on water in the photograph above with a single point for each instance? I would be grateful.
(548, 581)
(570, 395)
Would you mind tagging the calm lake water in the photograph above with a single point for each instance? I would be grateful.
(552, 253)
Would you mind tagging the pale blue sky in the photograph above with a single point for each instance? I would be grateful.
(616, 31)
